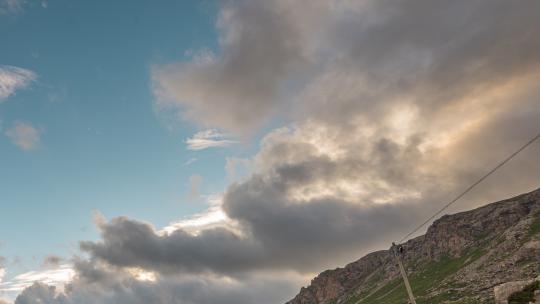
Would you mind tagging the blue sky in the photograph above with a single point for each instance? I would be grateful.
(103, 145)
(226, 151)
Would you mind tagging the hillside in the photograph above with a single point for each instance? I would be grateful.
(459, 260)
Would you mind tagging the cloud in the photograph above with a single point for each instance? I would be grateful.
(195, 182)
(288, 217)
(52, 261)
(24, 135)
(224, 250)
(190, 161)
(349, 60)
(39, 293)
(99, 284)
(56, 276)
(399, 102)
(12, 79)
(208, 139)
(2, 269)
(279, 211)
(212, 217)
(237, 89)
(238, 168)
(11, 6)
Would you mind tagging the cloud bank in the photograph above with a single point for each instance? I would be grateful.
(390, 108)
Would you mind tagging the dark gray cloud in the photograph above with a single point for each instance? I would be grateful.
(275, 235)
(40, 293)
(131, 243)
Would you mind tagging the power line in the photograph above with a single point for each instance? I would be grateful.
(471, 187)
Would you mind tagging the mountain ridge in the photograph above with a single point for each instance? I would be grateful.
(459, 260)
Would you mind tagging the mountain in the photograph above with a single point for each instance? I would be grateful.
(459, 260)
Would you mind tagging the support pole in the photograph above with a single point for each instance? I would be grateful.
(397, 255)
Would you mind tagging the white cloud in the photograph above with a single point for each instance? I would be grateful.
(14, 78)
(55, 277)
(208, 139)
(211, 217)
(24, 135)
(190, 161)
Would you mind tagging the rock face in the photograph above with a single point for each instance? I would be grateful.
(460, 259)
(503, 291)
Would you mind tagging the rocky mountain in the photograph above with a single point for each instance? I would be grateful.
(459, 260)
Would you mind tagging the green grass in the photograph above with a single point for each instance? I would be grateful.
(385, 294)
(367, 287)
(535, 227)
(422, 282)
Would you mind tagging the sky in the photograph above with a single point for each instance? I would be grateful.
(228, 151)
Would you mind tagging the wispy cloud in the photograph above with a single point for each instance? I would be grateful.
(190, 161)
(56, 277)
(208, 139)
(11, 6)
(14, 78)
(24, 135)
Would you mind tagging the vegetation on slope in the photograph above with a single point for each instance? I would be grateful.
(423, 281)
(535, 227)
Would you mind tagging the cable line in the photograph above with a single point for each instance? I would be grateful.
(471, 187)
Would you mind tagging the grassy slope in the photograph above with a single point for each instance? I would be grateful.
(535, 226)
(423, 282)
